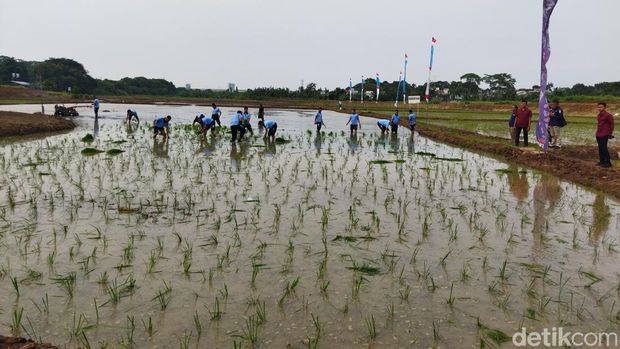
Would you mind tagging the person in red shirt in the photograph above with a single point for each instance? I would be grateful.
(523, 121)
(604, 132)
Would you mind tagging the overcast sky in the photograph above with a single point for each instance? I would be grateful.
(252, 43)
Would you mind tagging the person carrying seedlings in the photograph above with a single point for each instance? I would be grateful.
(395, 121)
(412, 120)
(318, 120)
(96, 107)
(556, 122)
(235, 126)
(384, 125)
(604, 132)
(132, 113)
(161, 126)
(206, 123)
(354, 120)
(523, 121)
(216, 113)
(511, 122)
(270, 129)
(246, 120)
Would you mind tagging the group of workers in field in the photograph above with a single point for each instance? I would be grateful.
(240, 123)
(521, 122)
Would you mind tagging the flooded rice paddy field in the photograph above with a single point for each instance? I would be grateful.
(323, 241)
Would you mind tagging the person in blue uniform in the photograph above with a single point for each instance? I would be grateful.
(131, 114)
(354, 120)
(216, 113)
(236, 127)
(270, 129)
(395, 122)
(384, 125)
(161, 126)
(206, 123)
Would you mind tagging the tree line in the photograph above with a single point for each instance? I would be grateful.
(62, 74)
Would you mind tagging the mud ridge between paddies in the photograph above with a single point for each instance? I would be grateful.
(21, 124)
(575, 163)
(22, 343)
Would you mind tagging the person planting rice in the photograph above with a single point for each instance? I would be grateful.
(132, 113)
(318, 120)
(383, 124)
(206, 123)
(395, 121)
(246, 121)
(354, 120)
(412, 120)
(161, 126)
(216, 113)
(235, 126)
(270, 129)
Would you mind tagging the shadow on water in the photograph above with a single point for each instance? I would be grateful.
(601, 215)
(394, 143)
(131, 127)
(160, 148)
(238, 153)
(318, 143)
(547, 193)
(518, 183)
(96, 128)
(353, 143)
(411, 144)
(207, 145)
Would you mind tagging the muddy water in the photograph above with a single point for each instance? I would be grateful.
(439, 245)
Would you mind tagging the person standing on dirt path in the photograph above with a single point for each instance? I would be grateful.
(354, 120)
(96, 107)
(246, 121)
(161, 127)
(604, 132)
(511, 122)
(556, 122)
(318, 120)
(235, 126)
(395, 122)
(216, 113)
(132, 113)
(523, 121)
(383, 124)
(412, 120)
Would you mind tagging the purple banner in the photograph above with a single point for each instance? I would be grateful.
(542, 133)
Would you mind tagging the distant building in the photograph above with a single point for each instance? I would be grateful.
(188, 86)
(232, 87)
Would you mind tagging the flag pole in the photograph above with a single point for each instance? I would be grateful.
(350, 90)
(398, 88)
(542, 133)
(362, 89)
(427, 94)
(405, 82)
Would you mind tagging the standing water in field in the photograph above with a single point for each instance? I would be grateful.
(316, 240)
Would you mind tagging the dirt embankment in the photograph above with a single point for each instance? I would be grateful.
(20, 124)
(22, 343)
(577, 164)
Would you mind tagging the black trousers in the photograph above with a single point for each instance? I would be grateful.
(216, 118)
(394, 128)
(237, 129)
(518, 135)
(318, 126)
(603, 152)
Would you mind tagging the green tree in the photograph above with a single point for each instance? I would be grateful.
(501, 86)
